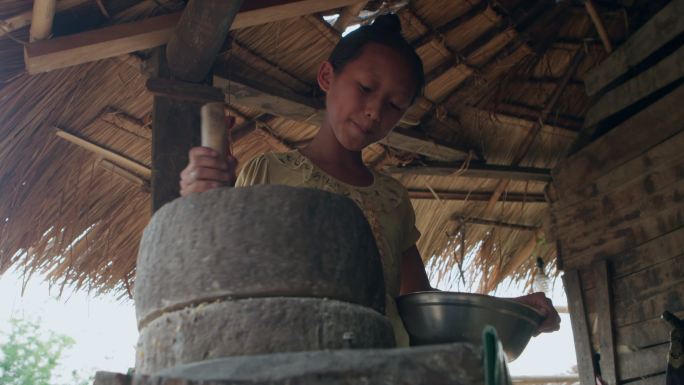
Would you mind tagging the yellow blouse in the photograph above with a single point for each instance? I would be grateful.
(385, 203)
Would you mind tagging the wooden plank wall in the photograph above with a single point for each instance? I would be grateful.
(618, 221)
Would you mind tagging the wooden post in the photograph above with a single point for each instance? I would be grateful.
(604, 308)
(199, 35)
(580, 328)
(175, 129)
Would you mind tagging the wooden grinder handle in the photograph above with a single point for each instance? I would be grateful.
(214, 128)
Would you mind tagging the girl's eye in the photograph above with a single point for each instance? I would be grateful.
(364, 88)
(396, 107)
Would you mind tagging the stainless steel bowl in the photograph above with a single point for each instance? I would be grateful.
(437, 317)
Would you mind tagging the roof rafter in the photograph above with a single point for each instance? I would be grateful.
(474, 170)
(120, 39)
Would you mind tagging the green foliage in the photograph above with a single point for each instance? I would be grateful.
(28, 356)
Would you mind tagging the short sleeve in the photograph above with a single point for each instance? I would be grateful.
(254, 172)
(411, 233)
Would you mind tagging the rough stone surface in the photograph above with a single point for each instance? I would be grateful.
(258, 326)
(452, 364)
(259, 241)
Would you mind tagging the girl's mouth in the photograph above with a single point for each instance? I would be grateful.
(364, 129)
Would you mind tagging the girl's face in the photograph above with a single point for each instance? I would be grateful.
(366, 99)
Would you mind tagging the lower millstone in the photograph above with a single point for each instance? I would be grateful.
(447, 364)
(258, 326)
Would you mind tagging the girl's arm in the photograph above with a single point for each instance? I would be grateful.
(413, 276)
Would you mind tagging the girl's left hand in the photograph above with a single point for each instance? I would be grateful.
(544, 305)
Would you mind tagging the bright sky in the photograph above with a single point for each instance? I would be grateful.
(105, 331)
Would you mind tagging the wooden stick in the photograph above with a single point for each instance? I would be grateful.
(476, 196)
(124, 173)
(121, 160)
(598, 23)
(41, 21)
(214, 127)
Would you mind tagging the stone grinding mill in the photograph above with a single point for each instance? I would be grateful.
(258, 286)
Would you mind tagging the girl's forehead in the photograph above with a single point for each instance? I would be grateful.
(384, 63)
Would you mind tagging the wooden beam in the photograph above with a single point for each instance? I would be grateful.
(580, 328)
(604, 306)
(417, 142)
(24, 19)
(489, 222)
(198, 37)
(622, 144)
(179, 90)
(598, 23)
(658, 31)
(66, 51)
(475, 196)
(665, 72)
(41, 21)
(127, 163)
(120, 39)
(281, 102)
(530, 113)
(474, 170)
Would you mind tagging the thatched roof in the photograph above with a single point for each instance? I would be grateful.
(494, 69)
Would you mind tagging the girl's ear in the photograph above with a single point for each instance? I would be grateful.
(325, 75)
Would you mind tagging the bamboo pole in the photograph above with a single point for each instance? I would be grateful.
(598, 23)
(23, 19)
(41, 22)
(121, 160)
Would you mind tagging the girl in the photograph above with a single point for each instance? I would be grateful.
(370, 79)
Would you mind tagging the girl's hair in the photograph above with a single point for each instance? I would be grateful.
(385, 30)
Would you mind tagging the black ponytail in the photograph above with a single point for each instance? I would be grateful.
(385, 30)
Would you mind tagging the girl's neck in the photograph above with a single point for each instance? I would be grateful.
(326, 152)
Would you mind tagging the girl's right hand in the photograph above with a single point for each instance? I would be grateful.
(206, 170)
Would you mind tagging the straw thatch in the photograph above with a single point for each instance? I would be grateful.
(77, 216)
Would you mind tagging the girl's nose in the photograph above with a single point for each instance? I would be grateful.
(373, 110)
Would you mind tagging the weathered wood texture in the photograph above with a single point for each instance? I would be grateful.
(627, 94)
(102, 43)
(605, 319)
(198, 37)
(617, 212)
(175, 130)
(580, 328)
(662, 28)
